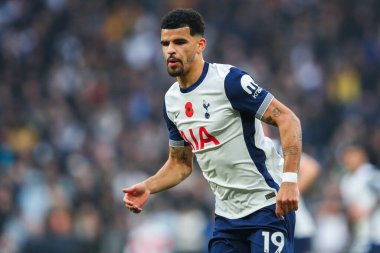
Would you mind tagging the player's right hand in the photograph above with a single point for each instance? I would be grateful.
(136, 196)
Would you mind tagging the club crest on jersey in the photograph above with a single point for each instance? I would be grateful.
(189, 109)
(206, 106)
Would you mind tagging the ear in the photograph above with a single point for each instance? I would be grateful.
(201, 45)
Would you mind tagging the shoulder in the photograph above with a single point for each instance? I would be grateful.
(237, 74)
(222, 70)
(174, 88)
(238, 82)
(172, 93)
(230, 74)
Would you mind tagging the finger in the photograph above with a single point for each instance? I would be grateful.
(279, 212)
(133, 207)
(135, 210)
(129, 205)
(129, 202)
(285, 208)
(295, 206)
(289, 206)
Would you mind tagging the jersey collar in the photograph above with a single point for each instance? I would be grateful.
(198, 82)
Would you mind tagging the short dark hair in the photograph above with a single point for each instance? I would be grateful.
(179, 18)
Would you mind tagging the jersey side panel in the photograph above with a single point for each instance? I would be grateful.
(249, 102)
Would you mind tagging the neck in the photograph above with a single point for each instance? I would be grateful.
(192, 75)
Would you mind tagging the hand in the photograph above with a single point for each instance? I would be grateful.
(287, 199)
(135, 197)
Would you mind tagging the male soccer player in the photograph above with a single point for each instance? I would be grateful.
(214, 112)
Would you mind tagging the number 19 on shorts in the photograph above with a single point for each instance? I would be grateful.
(277, 239)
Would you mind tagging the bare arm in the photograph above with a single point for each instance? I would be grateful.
(176, 169)
(289, 127)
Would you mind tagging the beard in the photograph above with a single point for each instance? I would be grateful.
(179, 70)
(174, 72)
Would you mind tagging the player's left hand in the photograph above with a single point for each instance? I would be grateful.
(287, 199)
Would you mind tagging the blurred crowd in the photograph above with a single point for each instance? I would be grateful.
(81, 91)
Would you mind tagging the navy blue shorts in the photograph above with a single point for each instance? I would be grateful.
(302, 245)
(261, 231)
(375, 248)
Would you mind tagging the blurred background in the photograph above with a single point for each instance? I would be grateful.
(81, 91)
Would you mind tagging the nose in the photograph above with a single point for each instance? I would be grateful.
(170, 49)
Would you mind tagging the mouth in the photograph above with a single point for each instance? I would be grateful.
(172, 62)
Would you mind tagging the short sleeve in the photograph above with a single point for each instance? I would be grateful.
(245, 95)
(175, 138)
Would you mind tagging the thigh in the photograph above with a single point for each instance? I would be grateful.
(277, 236)
(270, 241)
(225, 245)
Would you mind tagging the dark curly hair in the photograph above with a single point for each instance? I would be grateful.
(179, 18)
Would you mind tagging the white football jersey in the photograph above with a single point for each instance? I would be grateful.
(219, 116)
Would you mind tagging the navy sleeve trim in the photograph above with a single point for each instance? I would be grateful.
(175, 138)
(245, 95)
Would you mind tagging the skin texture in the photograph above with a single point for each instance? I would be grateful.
(184, 60)
(277, 114)
(177, 168)
(184, 52)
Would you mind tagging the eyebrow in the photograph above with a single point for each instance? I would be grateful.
(179, 40)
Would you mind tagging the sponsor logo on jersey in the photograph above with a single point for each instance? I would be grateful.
(249, 86)
(203, 137)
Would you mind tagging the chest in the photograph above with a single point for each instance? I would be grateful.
(203, 118)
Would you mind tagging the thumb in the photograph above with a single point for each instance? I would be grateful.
(129, 189)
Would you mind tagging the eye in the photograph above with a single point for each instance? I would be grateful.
(165, 43)
(180, 42)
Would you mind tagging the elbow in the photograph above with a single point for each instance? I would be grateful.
(290, 119)
(189, 170)
(186, 172)
(296, 120)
